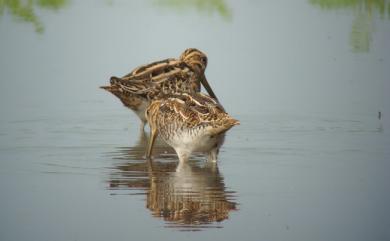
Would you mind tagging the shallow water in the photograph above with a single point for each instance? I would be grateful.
(306, 79)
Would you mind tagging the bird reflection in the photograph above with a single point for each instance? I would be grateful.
(190, 195)
(186, 195)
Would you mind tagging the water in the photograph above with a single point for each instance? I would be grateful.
(306, 79)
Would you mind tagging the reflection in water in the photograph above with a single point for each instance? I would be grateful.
(25, 10)
(364, 10)
(189, 196)
(204, 6)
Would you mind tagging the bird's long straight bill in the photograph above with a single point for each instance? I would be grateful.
(208, 88)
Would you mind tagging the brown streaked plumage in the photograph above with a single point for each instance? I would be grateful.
(188, 123)
(150, 82)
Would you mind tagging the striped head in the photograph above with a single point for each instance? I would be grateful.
(195, 59)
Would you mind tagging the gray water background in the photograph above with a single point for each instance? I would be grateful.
(306, 79)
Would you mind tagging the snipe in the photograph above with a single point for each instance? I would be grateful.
(189, 123)
(149, 82)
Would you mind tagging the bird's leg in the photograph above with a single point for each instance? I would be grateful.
(183, 155)
(213, 155)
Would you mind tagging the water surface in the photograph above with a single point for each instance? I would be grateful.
(306, 79)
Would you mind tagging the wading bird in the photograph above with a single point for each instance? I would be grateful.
(149, 82)
(188, 123)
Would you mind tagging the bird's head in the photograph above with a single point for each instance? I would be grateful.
(194, 58)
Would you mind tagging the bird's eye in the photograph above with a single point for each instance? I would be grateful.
(204, 60)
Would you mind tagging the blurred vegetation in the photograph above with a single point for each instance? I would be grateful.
(204, 6)
(25, 10)
(364, 12)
